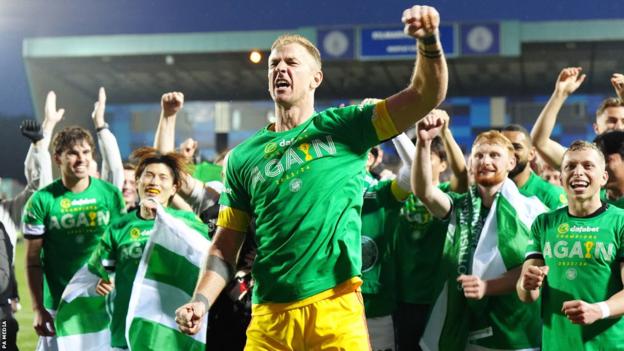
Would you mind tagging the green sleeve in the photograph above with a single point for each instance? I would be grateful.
(620, 234)
(558, 198)
(33, 218)
(104, 255)
(118, 208)
(353, 124)
(534, 246)
(386, 198)
(235, 194)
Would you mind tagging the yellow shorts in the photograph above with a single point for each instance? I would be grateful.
(331, 320)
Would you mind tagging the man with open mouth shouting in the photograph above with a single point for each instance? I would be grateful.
(575, 260)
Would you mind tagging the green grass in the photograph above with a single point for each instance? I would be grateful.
(26, 337)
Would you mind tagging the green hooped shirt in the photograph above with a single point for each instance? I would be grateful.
(304, 187)
(70, 225)
(379, 213)
(121, 247)
(550, 195)
(584, 256)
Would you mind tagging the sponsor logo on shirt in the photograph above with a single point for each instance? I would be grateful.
(565, 228)
(269, 149)
(67, 203)
(135, 233)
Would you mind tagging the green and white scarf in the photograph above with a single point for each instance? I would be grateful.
(487, 251)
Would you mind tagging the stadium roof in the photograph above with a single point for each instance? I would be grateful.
(215, 66)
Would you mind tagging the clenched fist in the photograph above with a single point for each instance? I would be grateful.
(421, 21)
(171, 103)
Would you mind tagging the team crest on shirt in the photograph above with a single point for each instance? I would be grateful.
(563, 228)
(370, 253)
(295, 185)
(570, 274)
(135, 233)
(65, 204)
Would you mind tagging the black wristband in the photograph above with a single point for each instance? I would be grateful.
(429, 40)
(432, 54)
(105, 126)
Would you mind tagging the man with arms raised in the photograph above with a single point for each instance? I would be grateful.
(529, 183)
(576, 256)
(301, 177)
(486, 233)
(63, 223)
(609, 116)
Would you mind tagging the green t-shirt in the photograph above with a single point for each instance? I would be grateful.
(70, 225)
(420, 239)
(304, 187)
(550, 195)
(617, 203)
(379, 213)
(122, 247)
(584, 256)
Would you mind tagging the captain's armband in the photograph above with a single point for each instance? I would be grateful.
(384, 126)
(231, 218)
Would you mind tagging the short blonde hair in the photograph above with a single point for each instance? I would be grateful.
(286, 39)
(580, 145)
(494, 137)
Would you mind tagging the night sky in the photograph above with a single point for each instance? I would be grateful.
(21, 19)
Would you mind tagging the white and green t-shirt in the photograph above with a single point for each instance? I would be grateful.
(304, 187)
(70, 225)
(583, 255)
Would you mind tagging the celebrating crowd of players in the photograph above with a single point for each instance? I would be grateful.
(343, 256)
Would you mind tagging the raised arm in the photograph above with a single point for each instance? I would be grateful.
(438, 203)
(198, 195)
(428, 85)
(454, 154)
(617, 81)
(51, 118)
(406, 151)
(170, 104)
(568, 81)
(112, 165)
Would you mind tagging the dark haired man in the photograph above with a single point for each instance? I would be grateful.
(63, 223)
